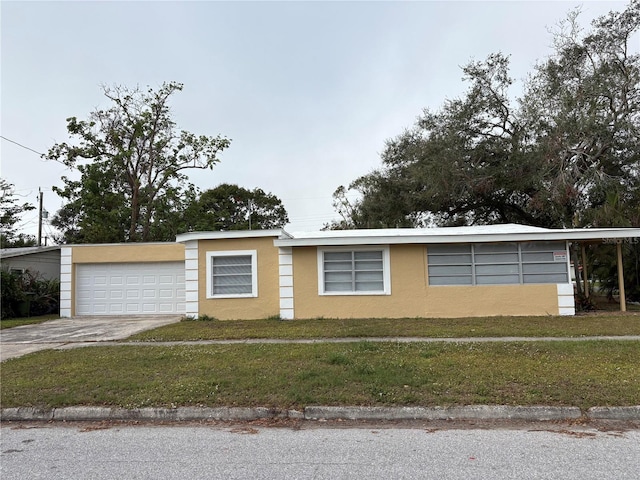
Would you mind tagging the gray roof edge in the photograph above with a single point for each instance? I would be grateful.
(21, 251)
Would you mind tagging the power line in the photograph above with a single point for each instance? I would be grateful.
(23, 146)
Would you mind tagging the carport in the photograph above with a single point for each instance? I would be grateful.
(619, 263)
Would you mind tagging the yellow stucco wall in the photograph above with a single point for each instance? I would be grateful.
(410, 294)
(128, 252)
(490, 300)
(266, 304)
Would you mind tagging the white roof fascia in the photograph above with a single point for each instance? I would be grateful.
(228, 234)
(541, 235)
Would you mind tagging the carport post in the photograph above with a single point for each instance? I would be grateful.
(585, 280)
(623, 301)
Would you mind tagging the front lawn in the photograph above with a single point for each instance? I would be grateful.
(588, 325)
(576, 373)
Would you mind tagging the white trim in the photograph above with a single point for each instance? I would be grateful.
(65, 281)
(191, 296)
(233, 253)
(565, 289)
(566, 302)
(287, 304)
(191, 290)
(285, 269)
(186, 237)
(386, 269)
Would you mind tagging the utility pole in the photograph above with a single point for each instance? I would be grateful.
(40, 220)
(250, 202)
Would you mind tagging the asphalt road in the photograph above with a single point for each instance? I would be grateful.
(246, 451)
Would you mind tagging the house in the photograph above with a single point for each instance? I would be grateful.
(394, 273)
(43, 260)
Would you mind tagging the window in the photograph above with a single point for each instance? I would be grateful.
(498, 263)
(544, 262)
(232, 274)
(353, 272)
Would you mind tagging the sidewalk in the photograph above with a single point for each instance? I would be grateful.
(13, 349)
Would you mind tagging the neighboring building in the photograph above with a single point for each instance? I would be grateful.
(43, 260)
(394, 273)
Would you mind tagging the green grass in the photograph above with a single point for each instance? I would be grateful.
(606, 324)
(17, 322)
(582, 374)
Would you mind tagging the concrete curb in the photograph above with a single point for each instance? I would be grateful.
(151, 414)
(614, 413)
(319, 413)
(471, 412)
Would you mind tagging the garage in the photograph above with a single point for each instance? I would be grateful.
(130, 288)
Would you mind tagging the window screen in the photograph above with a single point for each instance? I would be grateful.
(353, 271)
(450, 265)
(231, 275)
(498, 263)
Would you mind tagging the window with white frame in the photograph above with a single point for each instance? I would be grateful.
(232, 274)
(362, 271)
(498, 263)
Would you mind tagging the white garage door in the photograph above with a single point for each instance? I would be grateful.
(130, 288)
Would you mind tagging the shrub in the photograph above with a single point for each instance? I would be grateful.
(28, 294)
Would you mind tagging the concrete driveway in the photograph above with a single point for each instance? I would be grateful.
(18, 341)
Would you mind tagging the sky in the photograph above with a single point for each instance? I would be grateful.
(308, 92)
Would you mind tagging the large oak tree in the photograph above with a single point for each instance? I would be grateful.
(555, 157)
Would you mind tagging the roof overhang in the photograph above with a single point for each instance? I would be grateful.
(230, 234)
(478, 234)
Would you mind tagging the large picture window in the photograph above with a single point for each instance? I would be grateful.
(353, 272)
(498, 263)
(232, 274)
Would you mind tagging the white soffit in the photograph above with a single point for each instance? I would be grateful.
(474, 234)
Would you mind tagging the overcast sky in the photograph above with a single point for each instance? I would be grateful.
(307, 91)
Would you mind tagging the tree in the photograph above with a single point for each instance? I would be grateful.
(132, 162)
(550, 158)
(10, 211)
(230, 207)
(582, 107)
